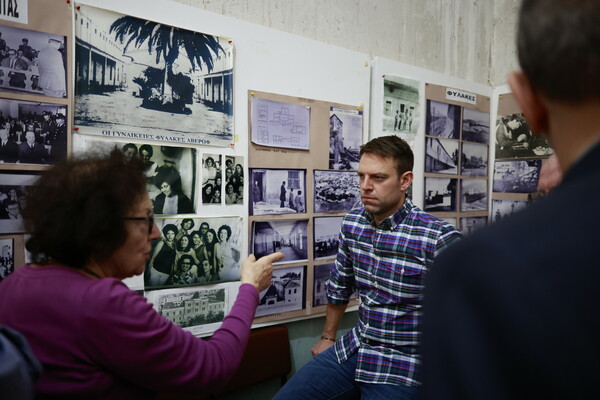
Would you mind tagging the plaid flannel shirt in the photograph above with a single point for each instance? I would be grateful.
(387, 264)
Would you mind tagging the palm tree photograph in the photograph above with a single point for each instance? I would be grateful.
(138, 77)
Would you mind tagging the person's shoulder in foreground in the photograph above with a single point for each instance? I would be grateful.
(510, 312)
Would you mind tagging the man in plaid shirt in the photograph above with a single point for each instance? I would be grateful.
(386, 248)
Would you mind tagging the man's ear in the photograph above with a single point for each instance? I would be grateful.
(406, 179)
(531, 103)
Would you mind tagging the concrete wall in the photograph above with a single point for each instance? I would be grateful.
(468, 39)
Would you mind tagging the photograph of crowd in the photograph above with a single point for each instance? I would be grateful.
(336, 191)
(440, 194)
(195, 251)
(515, 140)
(13, 191)
(287, 236)
(517, 176)
(473, 195)
(277, 191)
(345, 138)
(326, 236)
(33, 62)
(442, 120)
(441, 156)
(286, 292)
(475, 126)
(474, 159)
(401, 105)
(234, 180)
(171, 171)
(7, 258)
(139, 76)
(32, 133)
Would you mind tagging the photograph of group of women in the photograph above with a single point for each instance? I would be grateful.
(222, 184)
(195, 251)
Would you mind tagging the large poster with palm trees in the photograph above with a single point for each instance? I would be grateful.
(140, 79)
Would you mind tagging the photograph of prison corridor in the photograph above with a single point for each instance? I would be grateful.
(288, 237)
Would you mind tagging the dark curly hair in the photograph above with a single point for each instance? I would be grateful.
(75, 210)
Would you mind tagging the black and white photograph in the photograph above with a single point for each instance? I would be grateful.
(336, 191)
(33, 62)
(171, 171)
(142, 79)
(442, 120)
(195, 251)
(514, 139)
(504, 208)
(400, 105)
(320, 276)
(475, 126)
(32, 132)
(198, 309)
(473, 195)
(286, 293)
(326, 236)
(345, 138)
(517, 176)
(474, 159)
(440, 194)
(441, 156)
(212, 181)
(7, 257)
(287, 236)
(13, 192)
(277, 191)
(234, 180)
(471, 224)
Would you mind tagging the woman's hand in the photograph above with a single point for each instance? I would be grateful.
(259, 272)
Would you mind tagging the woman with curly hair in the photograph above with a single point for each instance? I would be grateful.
(91, 225)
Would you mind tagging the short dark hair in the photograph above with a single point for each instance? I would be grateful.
(75, 210)
(189, 245)
(148, 149)
(391, 147)
(170, 176)
(128, 146)
(169, 227)
(185, 257)
(558, 45)
(227, 229)
(188, 220)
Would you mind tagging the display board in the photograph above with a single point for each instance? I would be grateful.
(263, 59)
(302, 159)
(35, 109)
(457, 141)
(386, 77)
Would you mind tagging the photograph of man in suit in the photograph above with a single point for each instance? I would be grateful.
(9, 149)
(32, 152)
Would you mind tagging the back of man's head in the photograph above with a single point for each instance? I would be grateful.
(558, 46)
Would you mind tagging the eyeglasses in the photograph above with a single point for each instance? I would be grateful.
(149, 220)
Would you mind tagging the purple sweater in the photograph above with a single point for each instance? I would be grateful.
(98, 339)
